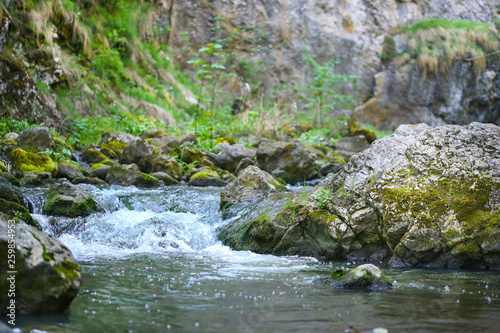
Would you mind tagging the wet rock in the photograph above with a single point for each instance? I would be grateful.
(351, 145)
(36, 139)
(368, 277)
(127, 175)
(140, 153)
(70, 201)
(250, 184)
(68, 171)
(3, 168)
(24, 163)
(48, 277)
(231, 155)
(206, 177)
(14, 204)
(243, 164)
(286, 160)
(330, 168)
(165, 178)
(99, 171)
(4, 176)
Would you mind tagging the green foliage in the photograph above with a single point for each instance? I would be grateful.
(88, 130)
(325, 91)
(389, 50)
(322, 198)
(8, 125)
(63, 155)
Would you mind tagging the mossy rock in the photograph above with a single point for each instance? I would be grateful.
(165, 178)
(36, 139)
(3, 168)
(14, 209)
(10, 178)
(25, 162)
(69, 201)
(88, 180)
(368, 277)
(91, 155)
(128, 175)
(69, 170)
(206, 177)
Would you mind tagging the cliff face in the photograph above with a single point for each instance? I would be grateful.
(354, 32)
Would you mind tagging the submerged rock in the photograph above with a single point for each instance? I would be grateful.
(368, 277)
(287, 160)
(70, 201)
(48, 277)
(420, 197)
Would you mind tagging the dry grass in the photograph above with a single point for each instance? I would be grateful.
(437, 45)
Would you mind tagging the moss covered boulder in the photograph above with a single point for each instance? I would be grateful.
(165, 178)
(70, 201)
(169, 165)
(127, 175)
(36, 139)
(367, 277)
(3, 167)
(112, 144)
(48, 277)
(198, 157)
(425, 197)
(168, 144)
(24, 162)
(206, 177)
(287, 160)
(92, 155)
(250, 184)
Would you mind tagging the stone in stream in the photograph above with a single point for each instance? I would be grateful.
(68, 171)
(48, 277)
(32, 165)
(422, 197)
(69, 200)
(14, 203)
(140, 153)
(206, 177)
(231, 155)
(368, 277)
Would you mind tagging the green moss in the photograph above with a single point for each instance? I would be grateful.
(45, 255)
(281, 181)
(97, 165)
(3, 168)
(76, 165)
(15, 209)
(60, 205)
(9, 142)
(338, 273)
(32, 163)
(13, 180)
(68, 269)
(205, 174)
(146, 180)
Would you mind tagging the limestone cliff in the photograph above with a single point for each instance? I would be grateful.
(354, 32)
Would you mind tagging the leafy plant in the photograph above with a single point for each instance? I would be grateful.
(322, 198)
(63, 155)
(324, 92)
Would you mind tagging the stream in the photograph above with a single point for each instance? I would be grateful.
(152, 263)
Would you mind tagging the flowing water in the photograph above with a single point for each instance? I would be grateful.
(152, 263)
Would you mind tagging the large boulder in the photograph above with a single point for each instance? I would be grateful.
(368, 277)
(420, 197)
(140, 153)
(231, 155)
(287, 160)
(169, 165)
(127, 175)
(36, 139)
(250, 184)
(168, 144)
(70, 201)
(112, 144)
(47, 276)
